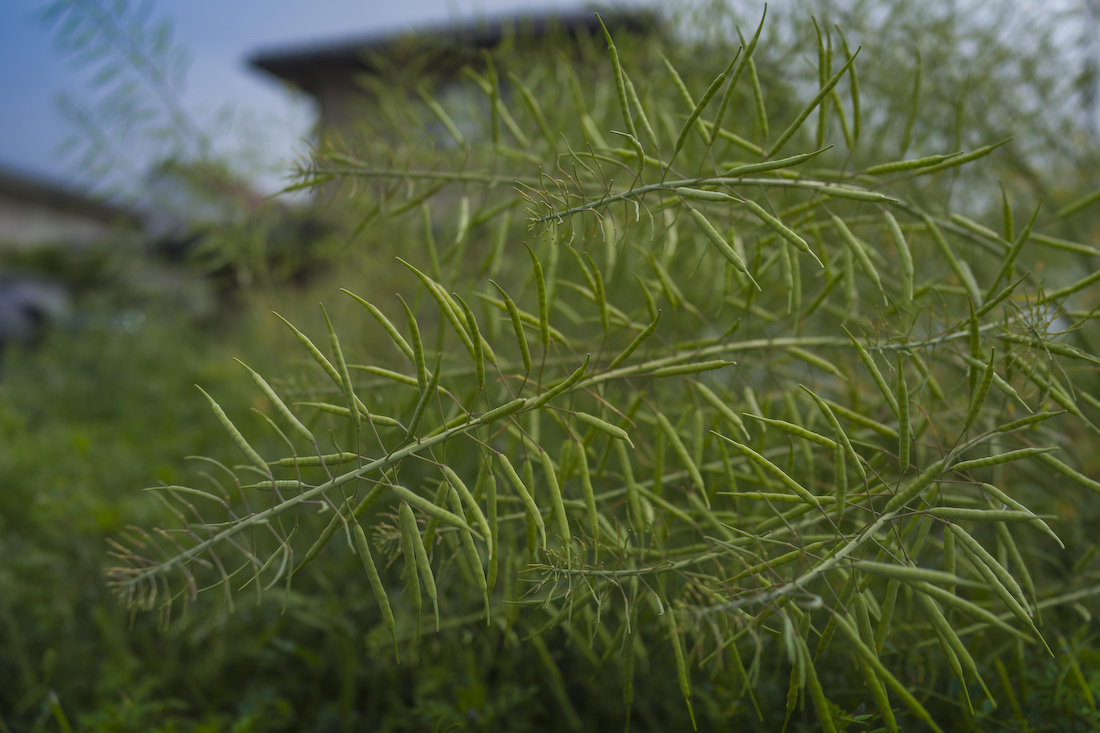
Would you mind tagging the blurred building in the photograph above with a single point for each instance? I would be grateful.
(341, 75)
(34, 213)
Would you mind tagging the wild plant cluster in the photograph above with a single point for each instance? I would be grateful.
(673, 382)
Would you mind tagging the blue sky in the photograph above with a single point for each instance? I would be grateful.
(218, 35)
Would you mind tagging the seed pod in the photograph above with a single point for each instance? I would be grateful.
(982, 390)
(504, 410)
(417, 347)
(775, 471)
(603, 426)
(363, 548)
(410, 534)
(682, 453)
(722, 245)
(469, 499)
(430, 508)
(996, 460)
(556, 498)
(904, 428)
(424, 572)
(698, 194)
(633, 345)
(533, 511)
(916, 487)
(517, 327)
(562, 386)
(279, 404)
(235, 434)
(390, 329)
(473, 557)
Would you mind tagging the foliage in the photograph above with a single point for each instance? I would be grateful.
(750, 406)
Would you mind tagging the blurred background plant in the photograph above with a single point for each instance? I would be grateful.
(105, 405)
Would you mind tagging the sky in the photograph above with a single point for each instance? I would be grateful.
(218, 35)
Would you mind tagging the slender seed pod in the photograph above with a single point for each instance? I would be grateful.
(796, 430)
(410, 534)
(476, 338)
(986, 557)
(872, 367)
(887, 614)
(620, 83)
(471, 503)
(884, 674)
(633, 494)
(723, 409)
(390, 329)
(909, 574)
(561, 386)
(517, 327)
(540, 292)
(902, 166)
(722, 245)
(964, 158)
(363, 548)
(978, 397)
(473, 557)
(342, 370)
(589, 493)
(775, 471)
(682, 672)
(508, 408)
(817, 693)
(858, 249)
(326, 365)
(633, 345)
(781, 229)
(494, 531)
(905, 257)
(279, 404)
(999, 458)
(685, 457)
(446, 305)
(443, 117)
(556, 497)
(842, 437)
(785, 260)
(430, 508)
(425, 398)
(424, 571)
(235, 434)
(698, 194)
(814, 360)
(904, 429)
(417, 347)
(535, 109)
(604, 427)
(533, 511)
(826, 88)
(433, 522)
(947, 598)
(304, 461)
(379, 421)
(840, 479)
(958, 266)
(916, 487)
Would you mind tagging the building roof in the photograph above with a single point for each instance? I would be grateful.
(20, 186)
(301, 66)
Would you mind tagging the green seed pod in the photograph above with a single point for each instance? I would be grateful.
(363, 548)
(235, 434)
(410, 534)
